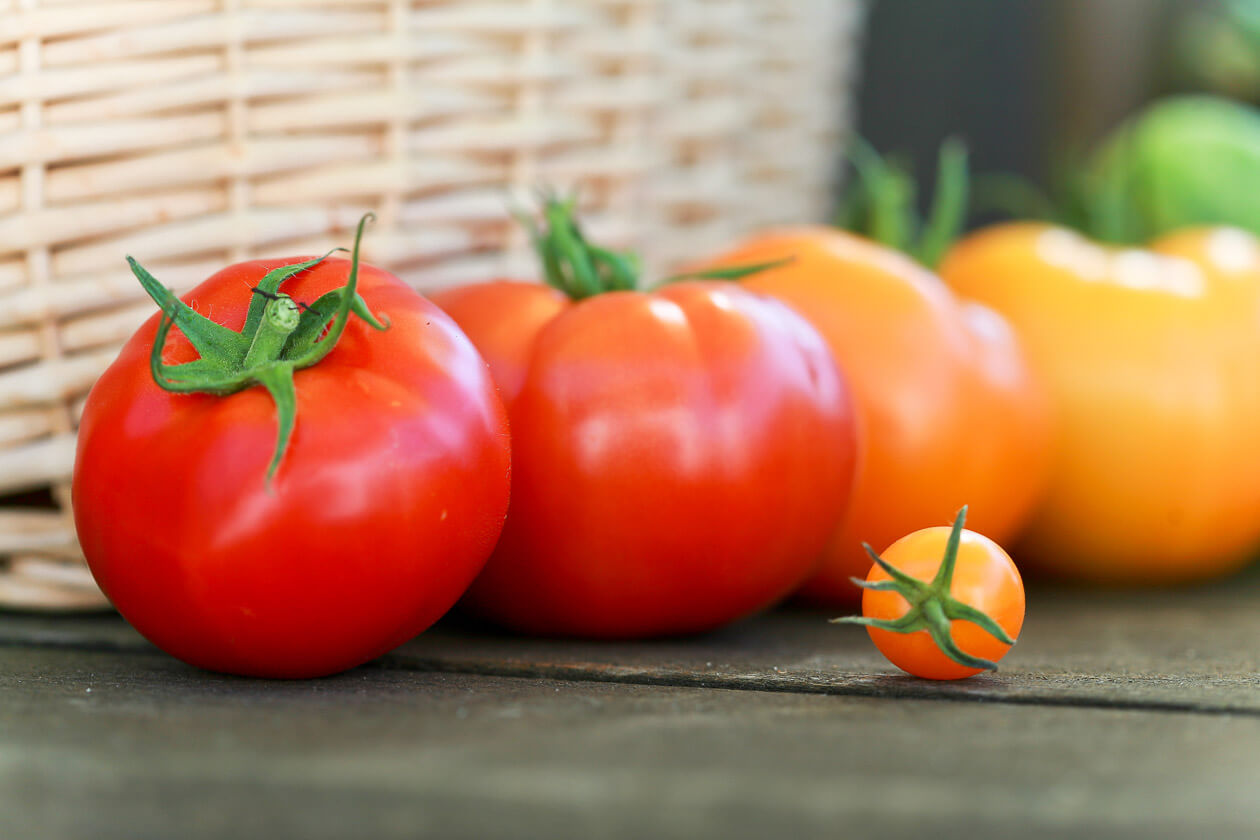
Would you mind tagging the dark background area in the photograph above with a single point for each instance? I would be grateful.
(1025, 82)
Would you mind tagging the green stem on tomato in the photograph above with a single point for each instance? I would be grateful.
(735, 272)
(569, 262)
(881, 202)
(949, 204)
(278, 338)
(280, 318)
(932, 608)
(581, 269)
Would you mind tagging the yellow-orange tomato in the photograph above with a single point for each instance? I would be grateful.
(1152, 360)
(948, 413)
(984, 577)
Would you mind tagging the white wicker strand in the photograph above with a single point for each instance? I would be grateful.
(527, 106)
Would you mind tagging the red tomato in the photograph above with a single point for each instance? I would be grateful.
(984, 584)
(389, 498)
(679, 457)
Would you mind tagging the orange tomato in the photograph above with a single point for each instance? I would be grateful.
(1009, 428)
(948, 412)
(984, 578)
(1152, 360)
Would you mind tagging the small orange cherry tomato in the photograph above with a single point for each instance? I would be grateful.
(942, 603)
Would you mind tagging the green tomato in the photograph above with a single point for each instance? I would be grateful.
(1186, 160)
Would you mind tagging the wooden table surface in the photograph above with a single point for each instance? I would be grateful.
(1118, 714)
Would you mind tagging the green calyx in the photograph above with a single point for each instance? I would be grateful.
(280, 336)
(581, 269)
(570, 262)
(881, 203)
(932, 607)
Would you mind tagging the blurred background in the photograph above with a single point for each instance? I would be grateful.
(1030, 82)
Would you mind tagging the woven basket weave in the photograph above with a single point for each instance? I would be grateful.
(192, 133)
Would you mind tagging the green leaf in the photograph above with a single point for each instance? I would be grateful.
(278, 380)
(907, 582)
(735, 272)
(569, 262)
(888, 196)
(911, 622)
(949, 204)
(957, 610)
(201, 375)
(232, 361)
(939, 629)
(315, 319)
(317, 350)
(945, 572)
(213, 342)
(621, 270)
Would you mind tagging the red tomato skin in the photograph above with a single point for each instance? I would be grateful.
(679, 458)
(392, 493)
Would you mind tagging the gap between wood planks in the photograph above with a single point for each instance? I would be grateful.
(887, 686)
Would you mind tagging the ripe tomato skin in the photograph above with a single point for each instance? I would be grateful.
(390, 497)
(679, 457)
(1010, 428)
(985, 577)
(948, 412)
(1150, 359)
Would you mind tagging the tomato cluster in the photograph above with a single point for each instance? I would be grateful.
(949, 411)
(314, 463)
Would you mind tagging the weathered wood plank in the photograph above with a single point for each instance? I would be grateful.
(1189, 649)
(124, 747)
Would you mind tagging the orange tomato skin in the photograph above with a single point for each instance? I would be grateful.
(1152, 360)
(679, 457)
(948, 413)
(985, 577)
(1009, 428)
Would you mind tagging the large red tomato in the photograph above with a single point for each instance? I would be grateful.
(389, 497)
(679, 457)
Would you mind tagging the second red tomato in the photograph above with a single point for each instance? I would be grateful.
(679, 458)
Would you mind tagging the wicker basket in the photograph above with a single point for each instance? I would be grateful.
(191, 133)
